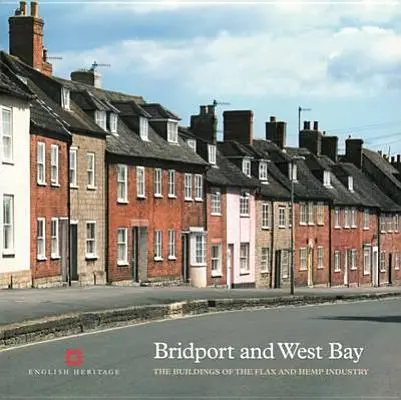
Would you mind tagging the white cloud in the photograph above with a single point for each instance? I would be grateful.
(319, 59)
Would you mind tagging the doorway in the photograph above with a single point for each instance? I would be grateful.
(185, 257)
(230, 266)
(390, 267)
(73, 251)
(63, 231)
(375, 266)
(277, 270)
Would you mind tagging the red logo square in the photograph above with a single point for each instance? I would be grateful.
(73, 357)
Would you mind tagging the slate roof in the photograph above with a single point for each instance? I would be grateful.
(159, 112)
(7, 86)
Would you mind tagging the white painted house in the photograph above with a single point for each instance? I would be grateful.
(14, 185)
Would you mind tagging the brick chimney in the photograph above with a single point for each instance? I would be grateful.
(238, 126)
(311, 139)
(204, 125)
(353, 151)
(330, 147)
(87, 76)
(26, 37)
(276, 131)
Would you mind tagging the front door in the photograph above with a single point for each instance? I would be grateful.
(74, 252)
(390, 266)
(64, 249)
(230, 259)
(135, 254)
(185, 257)
(277, 270)
(375, 265)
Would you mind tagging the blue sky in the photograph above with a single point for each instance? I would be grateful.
(340, 59)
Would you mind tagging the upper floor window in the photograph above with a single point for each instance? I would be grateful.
(100, 119)
(366, 217)
(320, 213)
(6, 134)
(188, 187)
(171, 183)
(263, 171)
(327, 179)
(211, 148)
(172, 131)
(41, 163)
(122, 184)
(65, 98)
(158, 182)
(347, 218)
(143, 128)
(140, 182)
(337, 217)
(353, 217)
(281, 217)
(382, 223)
(246, 167)
(192, 144)
(91, 170)
(310, 213)
(350, 183)
(73, 167)
(265, 215)
(198, 187)
(54, 164)
(113, 123)
(396, 223)
(303, 214)
(244, 204)
(293, 172)
(216, 201)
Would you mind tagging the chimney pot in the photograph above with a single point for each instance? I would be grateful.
(272, 119)
(306, 125)
(392, 159)
(23, 8)
(315, 125)
(34, 9)
(379, 152)
(398, 158)
(202, 110)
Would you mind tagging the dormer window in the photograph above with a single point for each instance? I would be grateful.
(192, 144)
(172, 131)
(326, 179)
(143, 128)
(100, 119)
(246, 166)
(65, 98)
(350, 183)
(263, 171)
(211, 149)
(293, 172)
(113, 123)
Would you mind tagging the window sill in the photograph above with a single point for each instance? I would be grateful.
(264, 272)
(366, 273)
(353, 226)
(41, 258)
(74, 187)
(122, 264)
(8, 162)
(265, 228)
(347, 227)
(320, 267)
(382, 271)
(158, 196)
(215, 214)
(55, 185)
(281, 226)
(244, 215)
(320, 223)
(141, 197)
(198, 264)
(188, 199)
(172, 196)
(198, 199)
(303, 224)
(353, 268)
(337, 270)
(158, 258)
(311, 224)
(41, 183)
(55, 257)
(122, 202)
(244, 273)
(216, 274)
(89, 187)
(8, 253)
(171, 258)
(365, 229)
(90, 257)
(337, 227)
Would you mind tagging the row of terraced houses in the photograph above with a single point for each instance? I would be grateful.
(99, 187)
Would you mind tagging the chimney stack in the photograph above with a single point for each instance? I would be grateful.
(353, 151)
(330, 147)
(238, 126)
(311, 139)
(315, 125)
(276, 131)
(204, 125)
(392, 159)
(87, 76)
(398, 158)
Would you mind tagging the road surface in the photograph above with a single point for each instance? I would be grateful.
(121, 364)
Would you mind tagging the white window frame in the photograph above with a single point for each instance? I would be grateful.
(337, 261)
(311, 213)
(41, 163)
(54, 165)
(140, 182)
(320, 257)
(337, 218)
(354, 255)
(389, 223)
(285, 264)
(265, 215)
(397, 262)
(198, 187)
(303, 254)
(354, 221)
(320, 213)
(382, 261)
(7, 135)
(73, 167)
(8, 226)
(171, 184)
(171, 244)
(216, 259)
(366, 219)
(158, 245)
(326, 179)
(265, 259)
(350, 183)
(244, 204)
(144, 128)
(113, 122)
(281, 217)
(263, 171)
(396, 223)
(101, 119)
(188, 187)
(88, 254)
(91, 170)
(382, 223)
(158, 182)
(55, 238)
(198, 249)
(41, 239)
(293, 172)
(192, 144)
(215, 201)
(247, 167)
(65, 98)
(122, 183)
(244, 258)
(211, 152)
(303, 213)
(367, 260)
(347, 218)
(172, 131)
(122, 244)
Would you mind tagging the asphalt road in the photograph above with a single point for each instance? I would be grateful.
(21, 305)
(373, 372)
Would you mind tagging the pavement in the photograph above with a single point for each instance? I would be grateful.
(121, 363)
(18, 305)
